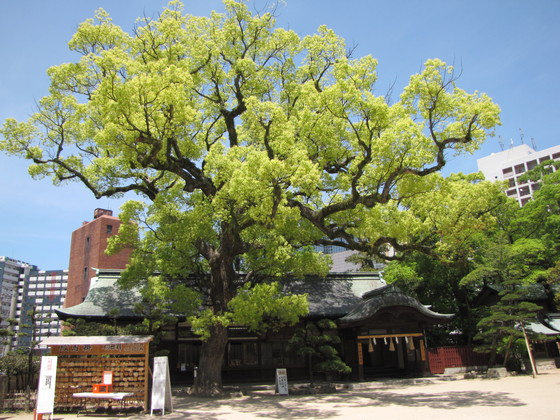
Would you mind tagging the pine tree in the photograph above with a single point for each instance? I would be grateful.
(317, 341)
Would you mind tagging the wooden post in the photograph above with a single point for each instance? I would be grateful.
(424, 362)
(531, 358)
(146, 375)
(360, 362)
(422, 351)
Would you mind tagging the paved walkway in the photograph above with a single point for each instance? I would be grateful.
(514, 397)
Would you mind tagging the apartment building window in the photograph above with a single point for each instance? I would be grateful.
(544, 159)
(531, 164)
(524, 190)
(519, 169)
(109, 229)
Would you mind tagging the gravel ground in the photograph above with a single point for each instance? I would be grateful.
(513, 397)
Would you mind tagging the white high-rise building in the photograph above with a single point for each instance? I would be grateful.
(10, 271)
(24, 289)
(41, 291)
(510, 164)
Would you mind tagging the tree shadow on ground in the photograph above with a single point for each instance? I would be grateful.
(264, 406)
(301, 407)
(445, 400)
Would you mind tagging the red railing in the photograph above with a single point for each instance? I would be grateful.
(441, 358)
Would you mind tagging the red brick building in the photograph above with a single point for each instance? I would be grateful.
(87, 252)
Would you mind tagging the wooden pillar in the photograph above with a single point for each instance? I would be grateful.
(529, 350)
(401, 352)
(360, 362)
(146, 375)
(424, 361)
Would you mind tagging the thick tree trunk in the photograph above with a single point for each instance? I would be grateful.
(208, 382)
(209, 378)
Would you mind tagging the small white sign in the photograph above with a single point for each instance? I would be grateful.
(47, 385)
(161, 386)
(281, 381)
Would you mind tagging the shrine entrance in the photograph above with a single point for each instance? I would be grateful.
(384, 334)
(391, 355)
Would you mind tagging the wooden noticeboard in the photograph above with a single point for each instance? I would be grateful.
(97, 349)
(82, 361)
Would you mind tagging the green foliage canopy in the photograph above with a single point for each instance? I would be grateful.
(247, 143)
(229, 120)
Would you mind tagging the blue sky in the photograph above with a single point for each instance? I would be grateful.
(509, 49)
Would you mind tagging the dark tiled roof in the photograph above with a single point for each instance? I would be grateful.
(332, 296)
(552, 321)
(350, 296)
(336, 294)
(103, 297)
(540, 328)
(386, 297)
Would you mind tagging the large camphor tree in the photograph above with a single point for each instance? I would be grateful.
(247, 144)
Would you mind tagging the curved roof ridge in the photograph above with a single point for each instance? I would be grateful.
(104, 294)
(385, 297)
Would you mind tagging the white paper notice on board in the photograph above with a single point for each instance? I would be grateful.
(47, 385)
(281, 381)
